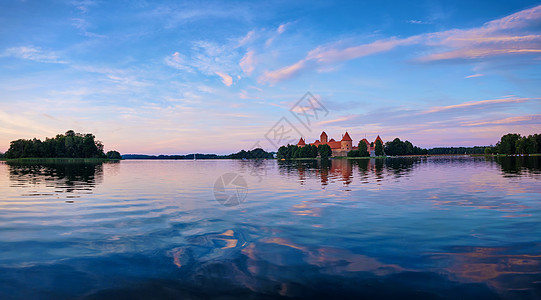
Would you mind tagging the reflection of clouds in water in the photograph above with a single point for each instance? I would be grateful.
(444, 181)
(496, 266)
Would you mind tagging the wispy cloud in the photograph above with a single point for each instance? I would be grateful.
(177, 61)
(475, 75)
(419, 22)
(247, 38)
(522, 120)
(83, 5)
(337, 120)
(210, 59)
(511, 35)
(478, 104)
(82, 25)
(33, 53)
(281, 29)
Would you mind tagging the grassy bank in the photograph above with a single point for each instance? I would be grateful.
(41, 160)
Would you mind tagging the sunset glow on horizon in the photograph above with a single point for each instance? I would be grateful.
(167, 77)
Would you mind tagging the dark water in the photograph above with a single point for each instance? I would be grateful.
(436, 228)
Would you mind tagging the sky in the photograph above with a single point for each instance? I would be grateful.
(174, 77)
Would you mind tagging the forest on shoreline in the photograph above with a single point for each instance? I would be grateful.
(68, 145)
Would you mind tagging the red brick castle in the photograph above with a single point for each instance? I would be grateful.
(342, 147)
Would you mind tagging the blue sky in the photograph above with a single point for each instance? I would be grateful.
(214, 76)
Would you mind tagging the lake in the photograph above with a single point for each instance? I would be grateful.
(430, 228)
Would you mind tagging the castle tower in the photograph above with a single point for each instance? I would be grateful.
(346, 143)
(301, 143)
(323, 138)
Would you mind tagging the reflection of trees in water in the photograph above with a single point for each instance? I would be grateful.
(402, 166)
(518, 164)
(66, 176)
(300, 168)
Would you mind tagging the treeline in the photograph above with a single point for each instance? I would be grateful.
(398, 147)
(514, 143)
(457, 150)
(309, 151)
(68, 145)
(257, 153)
(187, 156)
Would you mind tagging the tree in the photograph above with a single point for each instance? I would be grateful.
(507, 144)
(282, 153)
(488, 150)
(363, 149)
(324, 151)
(379, 148)
(313, 151)
(537, 138)
(113, 155)
(526, 145)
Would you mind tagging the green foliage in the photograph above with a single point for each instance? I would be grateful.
(324, 151)
(457, 150)
(488, 150)
(113, 155)
(363, 150)
(71, 145)
(256, 153)
(526, 145)
(379, 148)
(292, 151)
(397, 147)
(507, 144)
(353, 153)
(513, 143)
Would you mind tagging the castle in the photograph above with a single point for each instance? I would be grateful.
(342, 147)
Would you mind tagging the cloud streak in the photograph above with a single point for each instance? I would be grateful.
(34, 54)
(519, 120)
(511, 35)
(477, 104)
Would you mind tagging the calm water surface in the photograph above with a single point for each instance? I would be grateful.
(437, 228)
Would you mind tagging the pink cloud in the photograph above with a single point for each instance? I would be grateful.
(226, 79)
(283, 73)
(247, 63)
(341, 119)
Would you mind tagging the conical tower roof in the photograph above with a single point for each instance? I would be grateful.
(301, 142)
(346, 137)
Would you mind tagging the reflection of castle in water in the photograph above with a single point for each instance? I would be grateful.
(344, 170)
